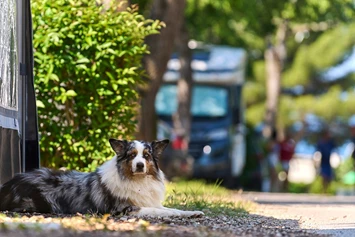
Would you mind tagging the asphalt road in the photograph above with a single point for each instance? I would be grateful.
(333, 215)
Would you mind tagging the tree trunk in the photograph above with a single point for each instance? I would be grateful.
(273, 80)
(275, 57)
(148, 118)
(171, 12)
(182, 117)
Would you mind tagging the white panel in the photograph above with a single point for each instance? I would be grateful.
(8, 56)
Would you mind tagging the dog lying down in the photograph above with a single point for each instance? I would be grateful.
(130, 183)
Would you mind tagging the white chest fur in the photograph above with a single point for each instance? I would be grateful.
(145, 193)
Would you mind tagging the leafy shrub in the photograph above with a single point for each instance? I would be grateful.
(87, 66)
(298, 187)
(317, 187)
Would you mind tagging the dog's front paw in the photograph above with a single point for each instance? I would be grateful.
(124, 210)
(198, 214)
(192, 213)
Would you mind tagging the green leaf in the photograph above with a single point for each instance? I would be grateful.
(82, 60)
(70, 93)
(112, 51)
(40, 104)
(105, 45)
(54, 77)
(109, 74)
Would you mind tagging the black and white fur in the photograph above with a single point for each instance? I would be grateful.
(131, 182)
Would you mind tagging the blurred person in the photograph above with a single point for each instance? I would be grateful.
(325, 146)
(269, 164)
(287, 148)
(251, 178)
(179, 143)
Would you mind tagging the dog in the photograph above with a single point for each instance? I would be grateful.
(129, 183)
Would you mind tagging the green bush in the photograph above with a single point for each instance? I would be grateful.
(316, 186)
(346, 166)
(87, 67)
(298, 187)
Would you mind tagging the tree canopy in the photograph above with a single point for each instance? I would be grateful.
(319, 36)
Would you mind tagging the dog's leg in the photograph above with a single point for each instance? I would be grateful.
(166, 212)
(124, 210)
(156, 212)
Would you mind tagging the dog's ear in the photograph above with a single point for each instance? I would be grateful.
(159, 147)
(119, 146)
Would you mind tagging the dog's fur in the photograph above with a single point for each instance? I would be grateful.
(131, 182)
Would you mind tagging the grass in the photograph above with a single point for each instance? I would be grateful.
(316, 187)
(212, 199)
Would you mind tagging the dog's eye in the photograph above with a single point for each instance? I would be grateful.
(146, 155)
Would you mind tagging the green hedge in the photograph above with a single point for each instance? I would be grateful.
(87, 67)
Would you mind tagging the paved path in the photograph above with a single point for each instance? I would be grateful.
(333, 215)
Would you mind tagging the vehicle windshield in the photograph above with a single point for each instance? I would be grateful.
(207, 101)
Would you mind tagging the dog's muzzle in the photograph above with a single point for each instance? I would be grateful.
(139, 168)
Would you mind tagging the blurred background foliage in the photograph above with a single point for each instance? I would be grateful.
(87, 69)
(320, 36)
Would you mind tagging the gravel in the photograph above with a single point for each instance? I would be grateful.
(18, 225)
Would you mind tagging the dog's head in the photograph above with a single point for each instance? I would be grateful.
(138, 158)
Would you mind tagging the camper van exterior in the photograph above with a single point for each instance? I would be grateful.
(217, 139)
(19, 138)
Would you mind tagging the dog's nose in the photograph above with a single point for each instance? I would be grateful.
(140, 166)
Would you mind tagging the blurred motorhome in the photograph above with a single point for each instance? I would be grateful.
(217, 142)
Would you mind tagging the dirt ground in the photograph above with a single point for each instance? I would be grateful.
(244, 225)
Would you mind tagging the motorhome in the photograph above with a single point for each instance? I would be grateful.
(217, 139)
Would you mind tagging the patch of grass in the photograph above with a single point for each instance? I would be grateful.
(316, 187)
(212, 199)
